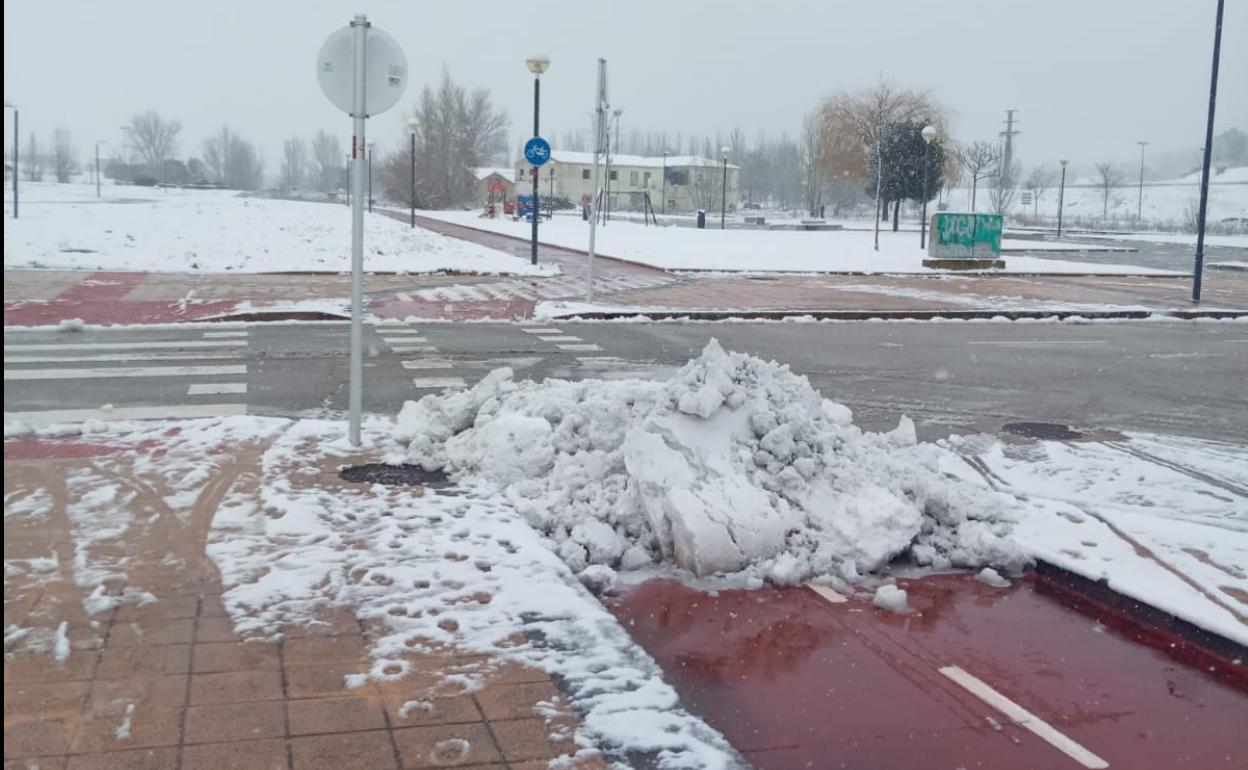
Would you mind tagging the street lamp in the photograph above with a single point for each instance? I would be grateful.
(10, 106)
(1061, 195)
(928, 133)
(723, 200)
(413, 125)
(370, 176)
(1204, 166)
(537, 65)
(1139, 207)
(97, 168)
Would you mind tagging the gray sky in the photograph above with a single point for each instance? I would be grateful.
(1090, 77)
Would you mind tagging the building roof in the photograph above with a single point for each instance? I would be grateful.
(642, 161)
(506, 173)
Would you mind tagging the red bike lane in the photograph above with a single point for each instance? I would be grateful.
(795, 681)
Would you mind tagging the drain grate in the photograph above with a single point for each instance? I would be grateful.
(394, 475)
(1045, 431)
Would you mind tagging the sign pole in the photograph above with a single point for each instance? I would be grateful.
(359, 29)
(600, 99)
(1204, 168)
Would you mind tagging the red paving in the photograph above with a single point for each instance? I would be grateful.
(100, 298)
(794, 681)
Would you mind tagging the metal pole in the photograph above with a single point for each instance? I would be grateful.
(97, 170)
(927, 149)
(537, 106)
(600, 96)
(1204, 172)
(665, 182)
(15, 174)
(1139, 206)
(358, 149)
(879, 182)
(413, 179)
(1061, 199)
(723, 195)
(370, 180)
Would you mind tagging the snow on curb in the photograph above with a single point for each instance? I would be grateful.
(735, 465)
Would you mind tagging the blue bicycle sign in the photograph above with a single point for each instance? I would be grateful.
(537, 151)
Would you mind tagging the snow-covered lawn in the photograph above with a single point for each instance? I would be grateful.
(145, 229)
(764, 251)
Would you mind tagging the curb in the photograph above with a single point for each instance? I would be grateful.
(1097, 598)
(900, 315)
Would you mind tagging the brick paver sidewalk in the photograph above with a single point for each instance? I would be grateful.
(171, 684)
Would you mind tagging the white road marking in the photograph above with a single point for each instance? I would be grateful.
(404, 296)
(1237, 340)
(181, 412)
(413, 349)
(561, 338)
(438, 382)
(427, 364)
(109, 372)
(120, 357)
(215, 388)
(396, 330)
(542, 331)
(214, 335)
(827, 593)
(1023, 717)
(403, 340)
(1037, 342)
(128, 345)
(586, 346)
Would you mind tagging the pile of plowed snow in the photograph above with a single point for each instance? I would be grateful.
(733, 465)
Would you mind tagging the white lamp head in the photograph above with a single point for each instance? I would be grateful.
(538, 63)
(928, 133)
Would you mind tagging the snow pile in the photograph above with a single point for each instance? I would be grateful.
(890, 597)
(733, 465)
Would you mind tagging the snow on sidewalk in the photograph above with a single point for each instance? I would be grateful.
(212, 231)
(1161, 519)
(767, 251)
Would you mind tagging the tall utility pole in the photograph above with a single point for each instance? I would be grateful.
(600, 109)
(1139, 206)
(1204, 170)
(1007, 156)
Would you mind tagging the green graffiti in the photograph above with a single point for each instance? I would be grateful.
(966, 235)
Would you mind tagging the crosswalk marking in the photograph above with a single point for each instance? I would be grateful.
(404, 296)
(560, 338)
(585, 346)
(172, 412)
(427, 364)
(403, 340)
(214, 335)
(542, 331)
(108, 372)
(157, 345)
(407, 349)
(396, 330)
(215, 388)
(426, 383)
(120, 357)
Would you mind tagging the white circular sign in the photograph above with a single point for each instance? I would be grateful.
(385, 70)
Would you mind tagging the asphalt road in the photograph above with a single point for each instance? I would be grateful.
(1185, 378)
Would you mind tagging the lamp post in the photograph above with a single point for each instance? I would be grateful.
(606, 207)
(413, 125)
(928, 133)
(1139, 206)
(10, 105)
(538, 65)
(879, 183)
(97, 168)
(1061, 196)
(1204, 169)
(723, 200)
(370, 176)
(665, 152)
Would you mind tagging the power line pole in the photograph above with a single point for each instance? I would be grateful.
(1009, 133)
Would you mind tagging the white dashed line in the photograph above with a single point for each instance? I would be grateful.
(403, 340)
(214, 335)
(413, 349)
(216, 388)
(1023, 718)
(427, 364)
(586, 346)
(561, 338)
(425, 383)
(1037, 342)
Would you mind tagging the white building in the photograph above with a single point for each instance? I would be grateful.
(691, 182)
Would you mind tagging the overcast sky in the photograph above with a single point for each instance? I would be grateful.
(1089, 77)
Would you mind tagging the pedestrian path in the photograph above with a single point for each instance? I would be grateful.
(130, 377)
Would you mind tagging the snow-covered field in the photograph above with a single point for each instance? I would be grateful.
(146, 229)
(763, 251)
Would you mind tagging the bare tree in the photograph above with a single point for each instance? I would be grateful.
(1004, 188)
(215, 149)
(64, 157)
(154, 138)
(327, 152)
(976, 158)
(852, 122)
(294, 162)
(1038, 183)
(1108, 178)
(33, 160)
(234, 161)
(812, 147)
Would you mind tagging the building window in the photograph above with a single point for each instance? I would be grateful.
(615, 176)
(647, 178)
(632, 178)
(584, 173)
